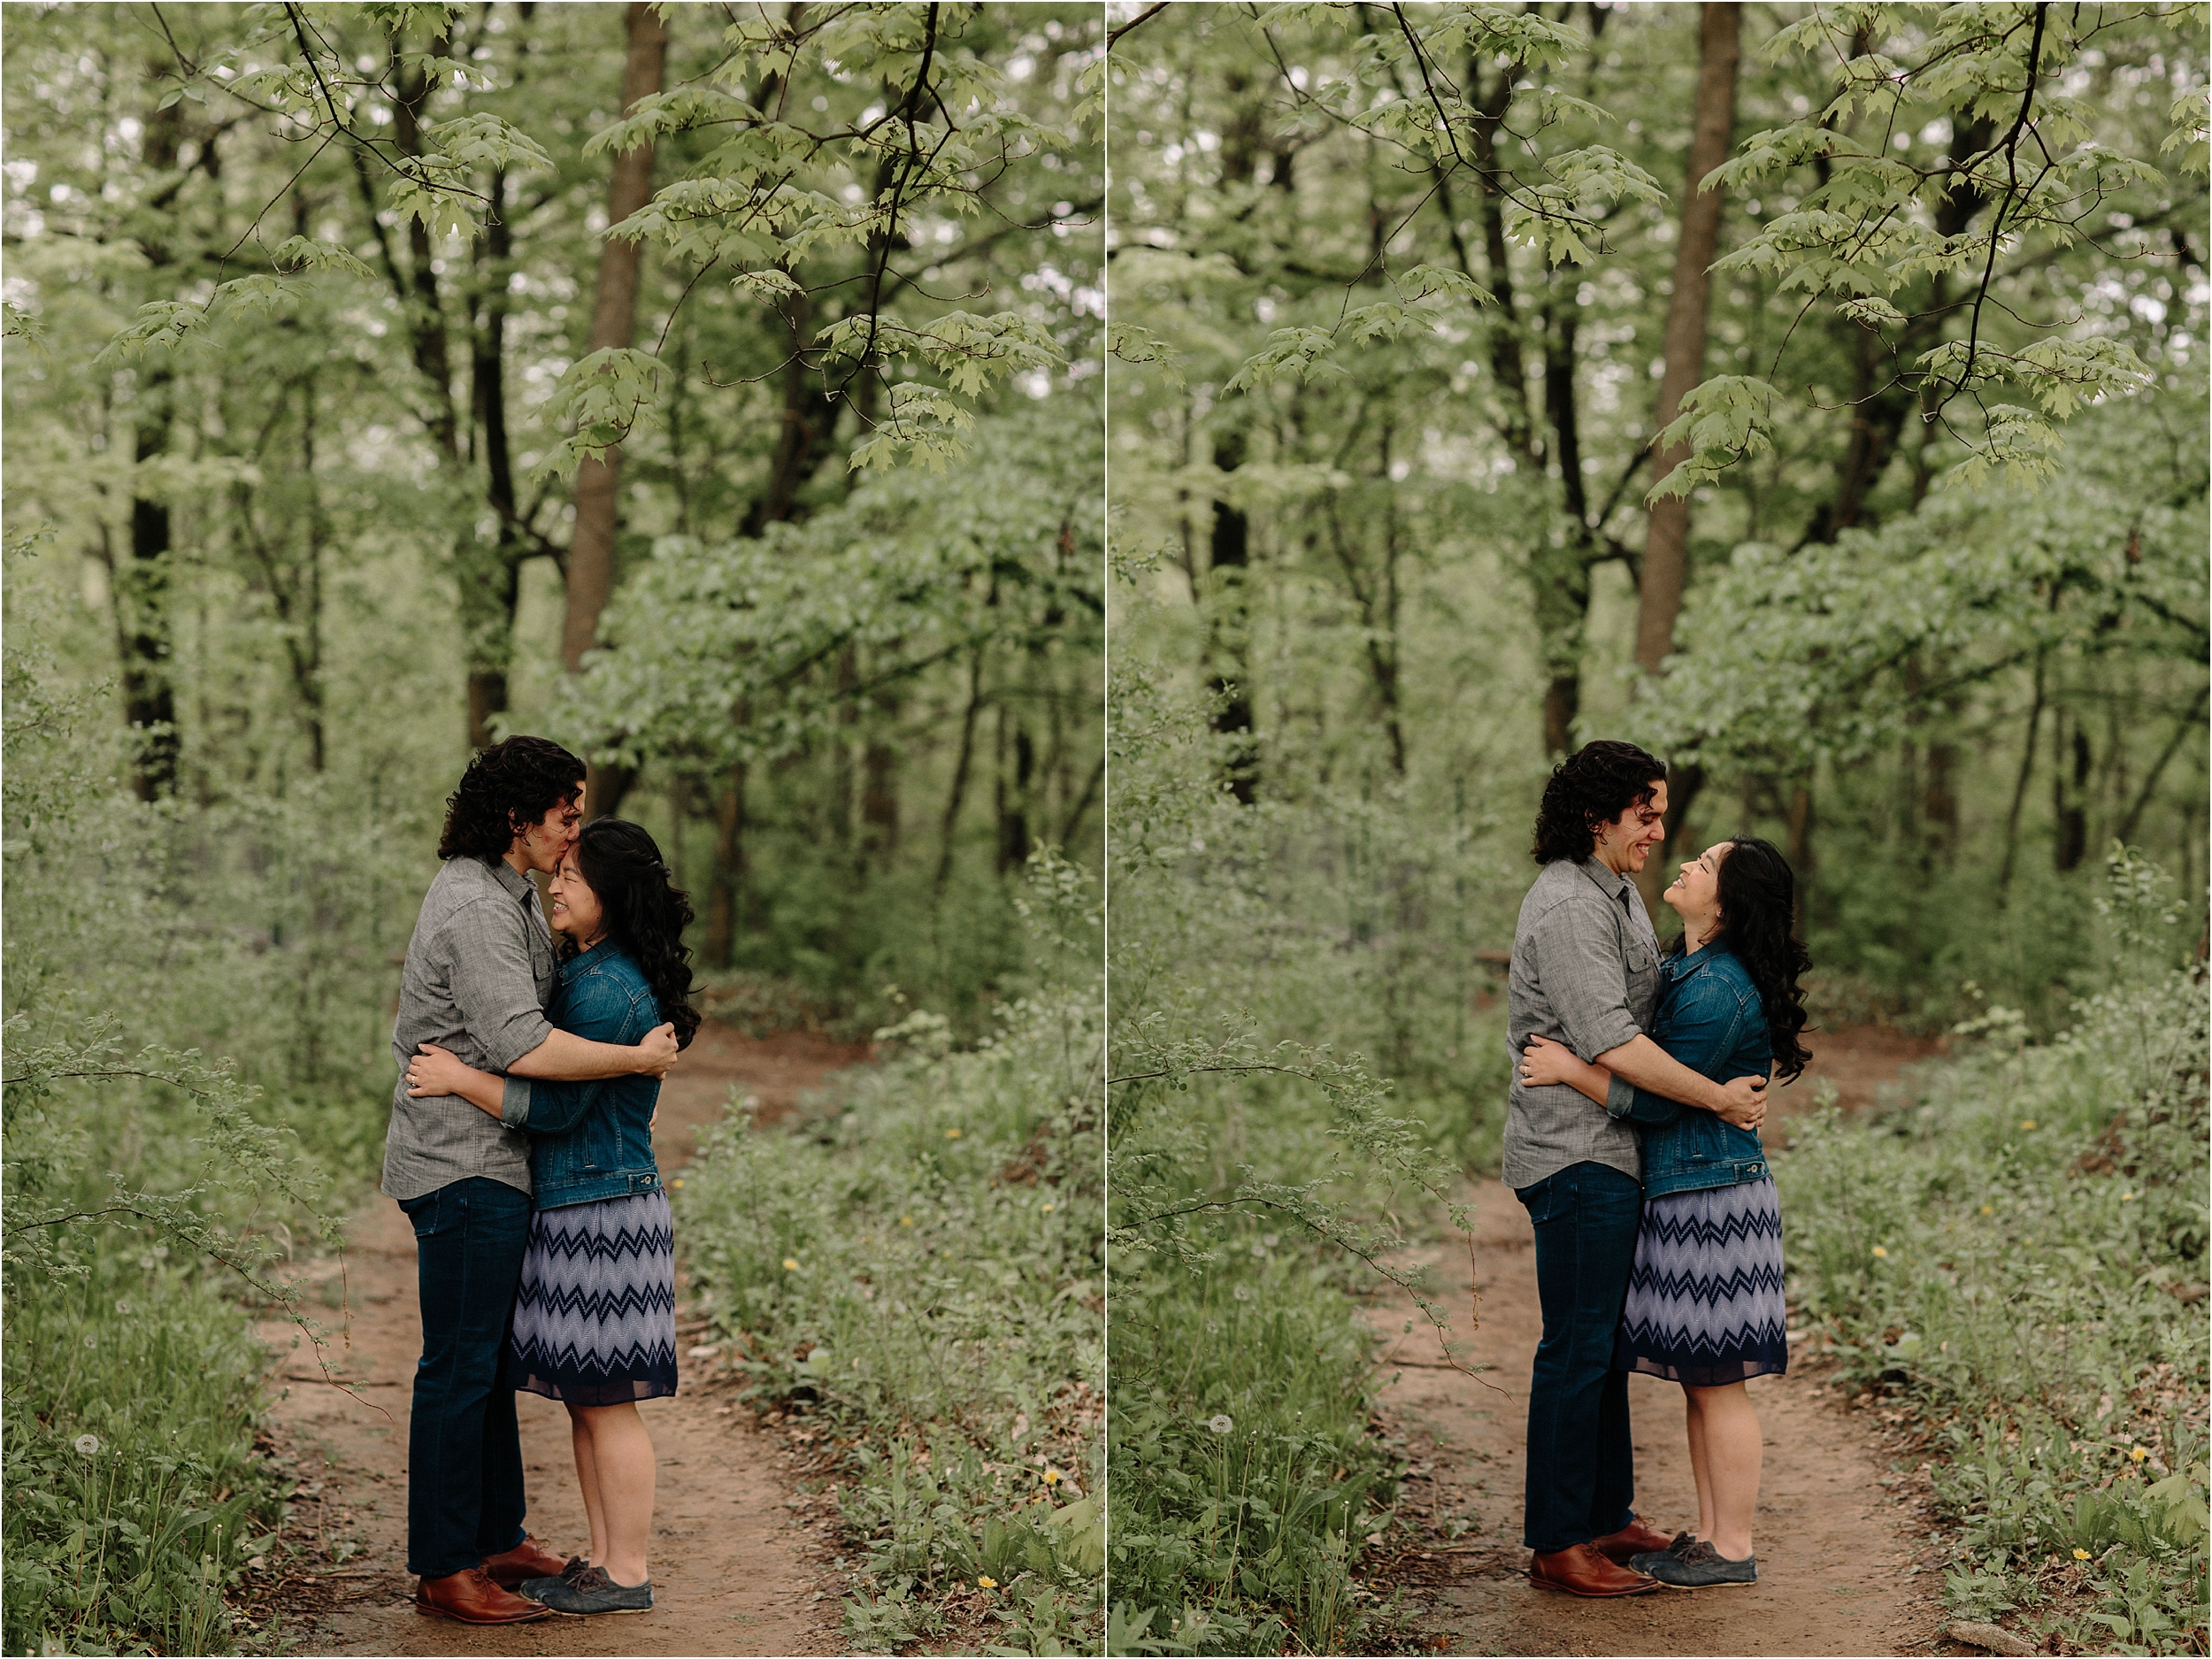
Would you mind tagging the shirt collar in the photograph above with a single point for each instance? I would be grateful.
(1612, 884)
(512, 879)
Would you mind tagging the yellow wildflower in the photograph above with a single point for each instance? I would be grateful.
(906, 1221)
(2081, 1555)
(952, 1134)
(1989, 1210)
(2139, 1453)
(1880, 1251)
(2027, 1123)
(790, 1265)
(987, 1583)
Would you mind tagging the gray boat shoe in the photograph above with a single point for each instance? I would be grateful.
(531, 1587)
(1700, 1566)
(1681, 1541)
(591, 1591)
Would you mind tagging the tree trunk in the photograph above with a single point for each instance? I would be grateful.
(2069, 791)
(613, 321)
(1800, 853)
(1230, 550)
(1562, 573)
(1013, 802)
(143, 597)
(879, 785)
(960, 771)
(2020, 785)
(729, 870)
(1666, 540)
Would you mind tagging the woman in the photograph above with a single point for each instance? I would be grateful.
(595, 1321)
(1705, 1306)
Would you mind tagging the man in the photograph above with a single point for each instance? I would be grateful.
(1585, 973)
(480, 972)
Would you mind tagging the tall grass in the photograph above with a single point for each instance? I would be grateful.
(2018, 1258)
(912, 1274)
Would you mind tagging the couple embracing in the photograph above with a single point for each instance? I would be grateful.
(521, 1150)
(1632, 1137)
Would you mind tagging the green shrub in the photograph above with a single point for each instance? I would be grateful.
(2020, 1258)
(914, 1269)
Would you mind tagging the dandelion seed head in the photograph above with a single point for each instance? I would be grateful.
(161, 1252)
(1221, 1422)
(122, 1304)
(87, 1444)
(91, 1340)
(146, 1261)
(1242, 1293)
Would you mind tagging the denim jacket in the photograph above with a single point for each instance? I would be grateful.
(1709, 1019)
(594, 1140)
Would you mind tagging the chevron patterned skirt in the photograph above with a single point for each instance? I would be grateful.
(596, 1313)
(1705, 1297)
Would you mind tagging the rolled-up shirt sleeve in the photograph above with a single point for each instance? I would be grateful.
(1576, 955)
(487, 945)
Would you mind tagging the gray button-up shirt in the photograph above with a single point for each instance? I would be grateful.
(1585, 973)
(479, 973)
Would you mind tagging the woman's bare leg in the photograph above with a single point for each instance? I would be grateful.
(1694, 1425)
(1733, 1454)
(622, 1457)
(587, 1480)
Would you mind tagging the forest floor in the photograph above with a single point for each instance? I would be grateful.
(1849, 1562)
(742, 1557)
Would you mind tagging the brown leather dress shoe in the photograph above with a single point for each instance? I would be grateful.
(529, 1559)
(470, 1596)
(1635, 1539)
(1583, 1571)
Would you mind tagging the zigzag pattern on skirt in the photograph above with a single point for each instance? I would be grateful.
(1705, 1297)
(564, 1244)
(573, 1360)
(542, 1304)
(594, 1320)
(1666, 1228)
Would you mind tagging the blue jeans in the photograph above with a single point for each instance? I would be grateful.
(464, 1498)
(1581, 1462)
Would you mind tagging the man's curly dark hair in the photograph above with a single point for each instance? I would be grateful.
(507, 789)
(1593, 786)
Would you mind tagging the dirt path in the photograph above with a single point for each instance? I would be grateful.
(1845, 1565)
(741, 1559)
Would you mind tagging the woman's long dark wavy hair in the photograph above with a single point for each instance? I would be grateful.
(643, 913)
(1757, 894)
